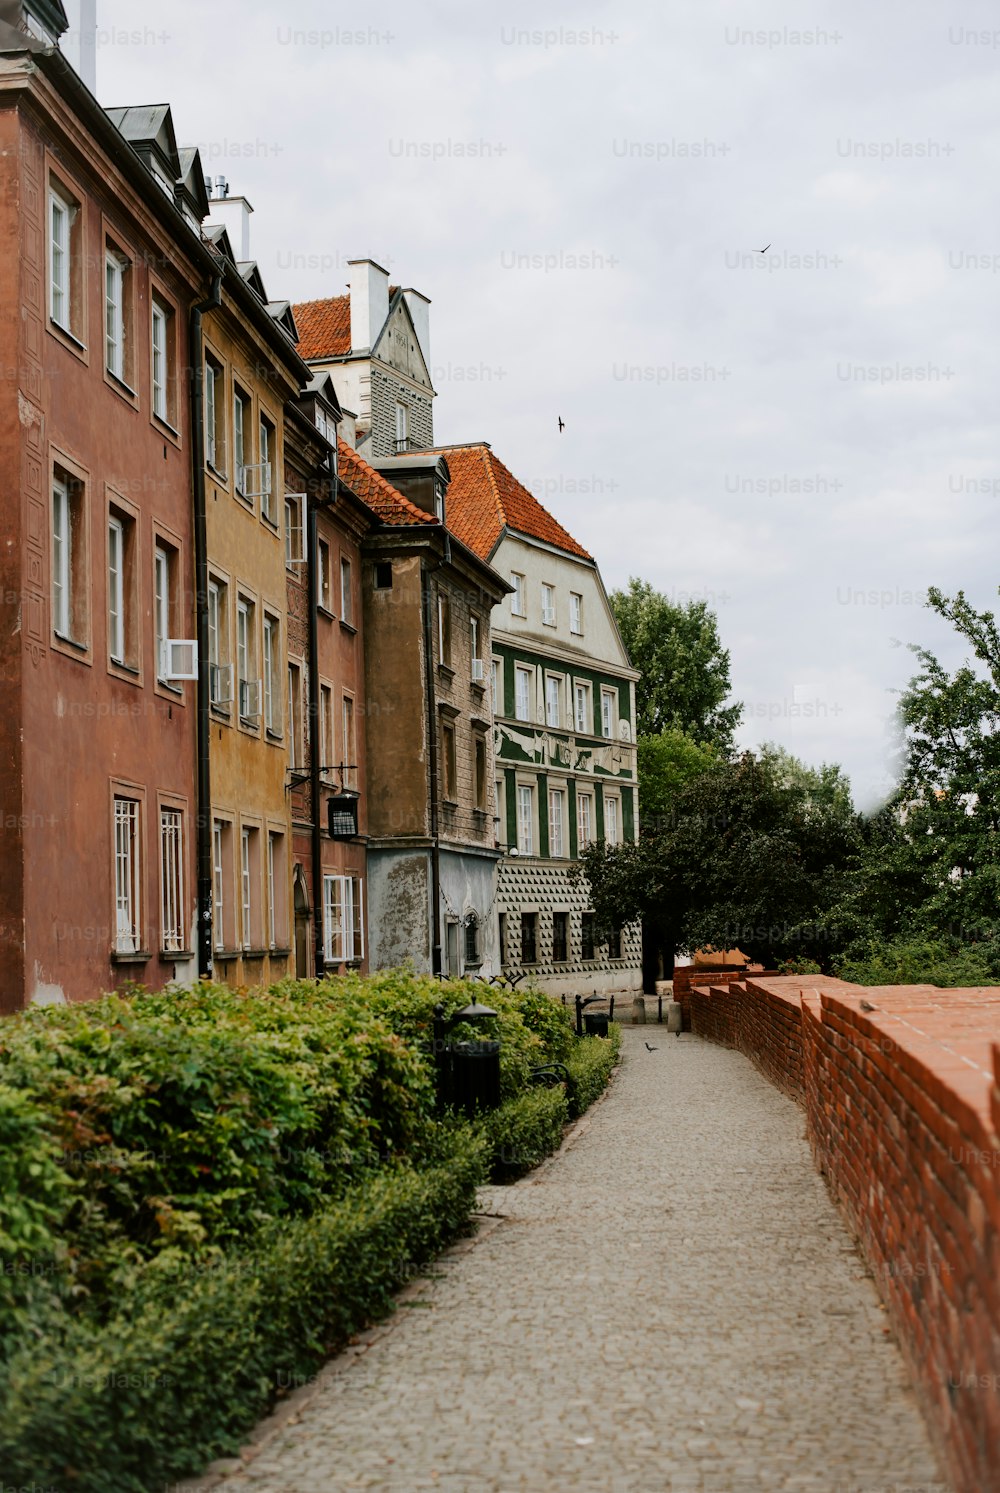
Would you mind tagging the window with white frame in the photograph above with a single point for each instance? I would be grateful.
(575, 612)
(272, 676)
(171, 880)
(548, 605)
(523, 679)
(294, 541)
(343, 919)
(266, 452)
(116, 589)
(241, 441)
(582, 712)
(346, 591)
(250, 886)
(277, 893)
(248, 685)
(69, 559)
(327, 747)
(296, 748)
(62, 215)
(349, 775)
(128, 876)
(557, 821)
(164, 570)
(220, 836)
(117, 296)
(163, 360)
(402, 427)
(444, 631)
(609, 701)
(215, 415)
(517, 600)
(324, 587)
(553, 701)
(525, 819)
(219, 675)
(495, 686)
(584, 820)
(611, 821)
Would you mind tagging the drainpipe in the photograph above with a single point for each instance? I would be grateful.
(312, 550)
(432, 756)
(204, 795)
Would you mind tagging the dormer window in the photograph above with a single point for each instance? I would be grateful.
(439, 501)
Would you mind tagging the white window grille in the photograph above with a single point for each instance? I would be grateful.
(161, 608)
(517, 600)
(62, 558)
(607, 712)
(294, 538)
(548, 606)
(219, 883)
(172, 879)
(477, 671)
(584, 820)
(575, 613)
(557, 800)
(265, 481)
(114, 315)
(402, 427)
(581, 696)
(272, 710)
(239, 442)
(213, 378)
(60, 222)
(127, 876)
(343, 919)
(553, 712)
(246, 881)
(525, 819)
(160, 363)
(611, 821)
(522, 694)
(116, 590)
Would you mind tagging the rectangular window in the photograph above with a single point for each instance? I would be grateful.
(576, 613)
(517, 600)
(548, 606)
(294, 546)
(615, 943)
(474, 643)
(116, 590)
(241, 442)
(557, 821)
(472, 942)
(327, 758)
(117, 307)
(248, 684)
(324, 589)
(402, 427)
(502, 935)
(525, 819)
(583, 715)
(553, 701)
(449, 765)
(69, 559)
(349, 774)
(219, 883)
(163, 371)
(529, 938)
(444, 631)
(267, 448)
(343, 919)
(560, 937)
(62, 213)
(215, 416)
(584, 820)
(481, 773)
(495, 684)
(220, 680)
(250, 887)
(272, 676)
(163, 570)
(171, 880)
(128, 877)
(346, 592)
(587, 936)
(611, 821)
(277, 895)
(296, 752)
(608, 702)
(522, 693)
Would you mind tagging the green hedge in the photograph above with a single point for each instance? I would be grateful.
(590, 1064)
(524, 1131)
(180, 1374)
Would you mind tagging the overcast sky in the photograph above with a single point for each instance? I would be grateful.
(807, 438)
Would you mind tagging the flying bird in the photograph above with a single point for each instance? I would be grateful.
(651, 1049)
(867, 1006)
(764, 250)
(562, 424)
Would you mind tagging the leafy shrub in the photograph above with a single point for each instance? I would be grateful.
(590, 1063)
(522, 1132)
(182, 1371)
(916, 962)
(801, 966)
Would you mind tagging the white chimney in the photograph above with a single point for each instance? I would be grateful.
(234, 215)
(419, 308)
(79, 43)
(369, 302)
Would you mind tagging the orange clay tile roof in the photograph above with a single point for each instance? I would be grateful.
(380, 496)
(484, 498)
(324, 327)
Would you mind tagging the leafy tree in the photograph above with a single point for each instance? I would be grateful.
(666, 763)
(685, 669)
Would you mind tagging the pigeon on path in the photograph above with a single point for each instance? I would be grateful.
(651, 1049)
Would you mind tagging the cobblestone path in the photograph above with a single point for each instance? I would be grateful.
(671, 1303)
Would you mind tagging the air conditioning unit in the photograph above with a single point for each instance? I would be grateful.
(250, 693)
(477, 671)
(178, 659)
(549, 616)
(254, 481)
(220, 684)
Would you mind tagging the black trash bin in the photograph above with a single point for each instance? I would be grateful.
(595, 1023)
(475, 1076)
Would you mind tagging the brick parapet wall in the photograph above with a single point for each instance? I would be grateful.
(686, 976)
(903, 1115)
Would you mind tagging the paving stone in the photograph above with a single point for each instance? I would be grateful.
(671, 1303)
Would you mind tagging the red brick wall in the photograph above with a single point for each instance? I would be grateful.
(903, 1115)
(687, 975)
